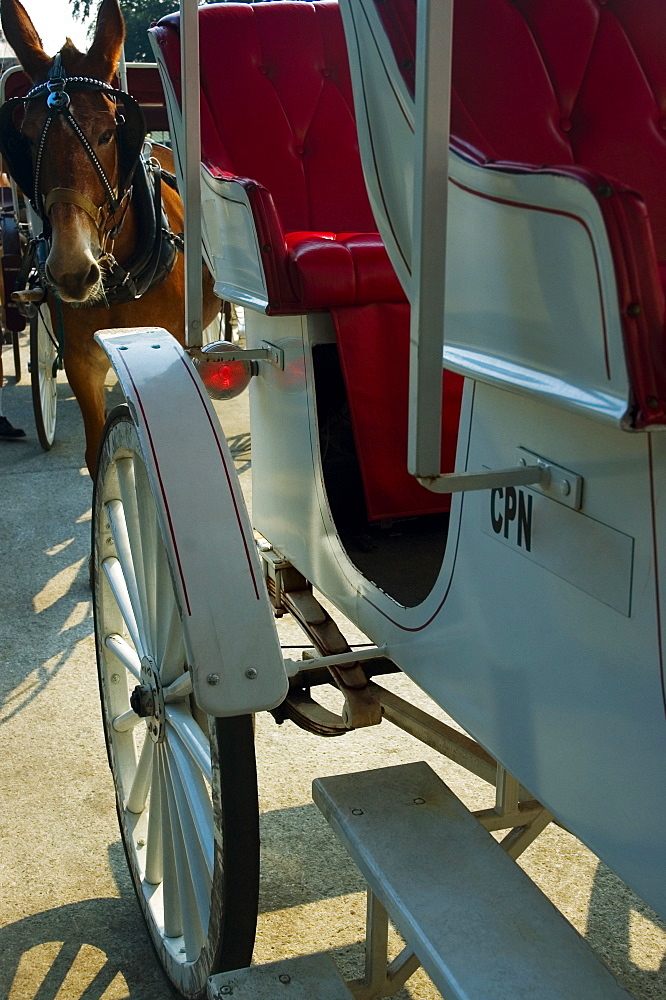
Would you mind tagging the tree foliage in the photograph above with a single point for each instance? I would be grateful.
(139, 15)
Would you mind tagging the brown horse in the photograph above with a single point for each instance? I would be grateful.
(92, 222)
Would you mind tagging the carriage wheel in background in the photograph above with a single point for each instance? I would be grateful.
(10, 263)
(17, 356)
(43, 359)
(186, 790)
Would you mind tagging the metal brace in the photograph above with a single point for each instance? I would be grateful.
(290, 591)
(267, 352)
(532, 470)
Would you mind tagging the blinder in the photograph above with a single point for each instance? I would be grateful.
(15, 148)
(17, 152)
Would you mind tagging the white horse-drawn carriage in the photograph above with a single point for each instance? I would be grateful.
(498, 534)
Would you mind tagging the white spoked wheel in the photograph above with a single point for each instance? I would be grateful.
(186, 789)
(43, 355)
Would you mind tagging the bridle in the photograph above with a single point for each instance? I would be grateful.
(139, 180)
(56, 90)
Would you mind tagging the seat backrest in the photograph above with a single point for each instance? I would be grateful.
(557, 82)
(277, 107)
(145, 86)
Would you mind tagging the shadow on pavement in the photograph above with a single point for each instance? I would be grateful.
(96, 949)
(617, 919)
(46, 598)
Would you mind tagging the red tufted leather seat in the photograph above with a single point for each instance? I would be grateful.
(277, 114)
(557, 83)
(574, 82)
(575, 88)
(277, 108)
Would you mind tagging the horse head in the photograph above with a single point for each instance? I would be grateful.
(69, 141)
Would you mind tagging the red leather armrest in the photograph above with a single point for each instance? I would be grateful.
(271, 239)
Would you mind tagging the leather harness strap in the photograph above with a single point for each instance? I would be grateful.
(71, 197)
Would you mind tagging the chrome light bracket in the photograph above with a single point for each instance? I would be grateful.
(267, 352)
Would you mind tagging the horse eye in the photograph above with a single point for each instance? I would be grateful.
(105, 138)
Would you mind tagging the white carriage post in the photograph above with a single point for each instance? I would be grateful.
(539, 633)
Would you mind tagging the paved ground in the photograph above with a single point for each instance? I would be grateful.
(69, 925)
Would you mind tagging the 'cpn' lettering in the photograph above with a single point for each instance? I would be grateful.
(511, 515)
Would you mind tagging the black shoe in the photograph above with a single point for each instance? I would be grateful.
(9, 433)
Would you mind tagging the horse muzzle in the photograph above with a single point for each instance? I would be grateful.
(77, 285)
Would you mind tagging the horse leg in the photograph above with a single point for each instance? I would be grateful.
(86, 366)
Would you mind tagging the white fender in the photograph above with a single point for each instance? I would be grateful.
(228, 623)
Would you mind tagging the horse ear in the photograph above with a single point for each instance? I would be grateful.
(103, 56)
(26, 43)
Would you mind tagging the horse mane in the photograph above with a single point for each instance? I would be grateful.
(73, 61)
(77, 63)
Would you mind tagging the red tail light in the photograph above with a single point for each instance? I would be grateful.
(224, 379)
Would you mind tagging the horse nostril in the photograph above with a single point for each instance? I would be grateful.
(93, 275)
(75, 286)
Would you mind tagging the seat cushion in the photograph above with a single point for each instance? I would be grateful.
(340, 269)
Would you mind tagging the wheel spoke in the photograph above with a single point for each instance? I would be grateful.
(47, 391)
(151, 544)
(196, 798)
(126, 722)
(116, 578)
(43, 382)
(179, 689)
(166, 602)
(125, 654)
(139, 517)
(199, 875)
(136, 800)
(154, 868)
(191, 929)
(116, 514)
(173, 914)
(193, 740)
(173, 658)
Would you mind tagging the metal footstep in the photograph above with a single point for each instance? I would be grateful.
(475, 921)
(312, 977)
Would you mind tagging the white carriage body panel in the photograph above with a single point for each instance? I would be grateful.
(230, 238)
(543, 315)
(228, 623)
(544, 644)
(548, 653)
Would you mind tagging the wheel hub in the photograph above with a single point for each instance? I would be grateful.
(147, 700)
